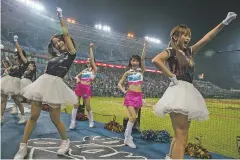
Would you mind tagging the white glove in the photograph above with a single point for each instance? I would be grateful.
(59, 12)
(173, 80)
(231, 16)
(2, 46)
(15, 38)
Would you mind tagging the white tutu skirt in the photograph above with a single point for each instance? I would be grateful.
(25, 82)
(182, 98)
(10, 85)
(50, 90)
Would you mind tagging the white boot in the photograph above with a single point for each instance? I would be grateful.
(128, 138)
(129, 142)
(167, 156)
(73, 119)
(64, 147)
(22, 152)
(22, 119)
(72, 125)
(91, 124)
(14, 110)
(90, 118)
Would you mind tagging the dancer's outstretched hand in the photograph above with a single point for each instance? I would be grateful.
(231, 16)
(15, 38)
(91, 45)
(59, 12)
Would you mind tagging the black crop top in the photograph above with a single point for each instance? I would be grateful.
(59, 66)
(30, 74)
(18, 70)
(182, 72)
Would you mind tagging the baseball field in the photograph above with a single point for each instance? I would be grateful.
(218, 133)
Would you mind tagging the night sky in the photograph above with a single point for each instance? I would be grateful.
(156, 17)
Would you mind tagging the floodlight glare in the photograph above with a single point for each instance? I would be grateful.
(130, 35)
(154, 40)
(103, 27)
(32, 4)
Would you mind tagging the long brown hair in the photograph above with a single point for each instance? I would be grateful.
(50, 44)
(179, 30)
(176, 32)
(137, 57)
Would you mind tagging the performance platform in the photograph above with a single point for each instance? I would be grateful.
(86, 143)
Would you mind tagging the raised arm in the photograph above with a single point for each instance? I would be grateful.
(210, 35)
(9, 62)
(5, 65)
(19, 50)
(143, 56)
(66, 34)
(91, 56)
(121, 82)
(34, 75)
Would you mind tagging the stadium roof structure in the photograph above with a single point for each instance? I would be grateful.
(35, 30)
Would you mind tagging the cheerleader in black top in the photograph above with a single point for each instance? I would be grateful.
(182, 101)
(28, 77)
(50, 88)
(11, 83)
(4, 67)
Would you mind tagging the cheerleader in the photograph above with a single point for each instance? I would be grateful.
(11, 83)
(133, 96)
(28, 77)
(50, 88)
(6, 64)
(182, 100)
(83, 89)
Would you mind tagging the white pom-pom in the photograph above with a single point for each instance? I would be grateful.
(2, 46)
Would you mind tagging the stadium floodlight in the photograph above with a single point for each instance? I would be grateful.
(71, 20)
(130, 35)
(154, 40)
(32, 4)
(103, 27)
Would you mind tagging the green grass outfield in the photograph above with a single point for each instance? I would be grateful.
(218, 133)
